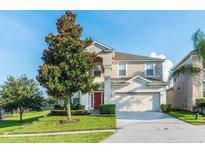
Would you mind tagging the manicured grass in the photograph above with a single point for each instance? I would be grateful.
(51, 124)
(38, 122)
(71, 138)
(188, 117)
(12, 122)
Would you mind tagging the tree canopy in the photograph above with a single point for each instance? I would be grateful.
(20, 93)
(65, 63)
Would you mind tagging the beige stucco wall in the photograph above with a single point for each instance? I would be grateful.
(133, 67)
(197, 80)
(170, 97)
(136, 68)
(187, 87)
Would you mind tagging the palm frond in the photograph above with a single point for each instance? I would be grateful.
(188, 68)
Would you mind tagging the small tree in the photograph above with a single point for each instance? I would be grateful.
(66, 65)
(20, 94)
(1, 105)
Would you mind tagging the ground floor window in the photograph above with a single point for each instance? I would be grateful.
(76, 98)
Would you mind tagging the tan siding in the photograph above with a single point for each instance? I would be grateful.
(197, 80)
(187, 87)
(137, 68)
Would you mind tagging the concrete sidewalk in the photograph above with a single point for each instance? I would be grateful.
(58, 133)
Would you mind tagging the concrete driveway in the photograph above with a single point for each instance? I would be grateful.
(154, 127)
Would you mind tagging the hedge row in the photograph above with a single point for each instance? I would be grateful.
(75, 106)
(107, 109)
(64, 112)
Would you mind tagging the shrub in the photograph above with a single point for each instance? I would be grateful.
(58, 107)
(107, 109)
(166, 107)
(77, 106)
(79, 112)
(82, 107)
(200, 102)
(64, 112)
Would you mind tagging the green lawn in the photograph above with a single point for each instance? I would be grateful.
(71, 138)
(12, 123)
(36, 122)
(188, 117)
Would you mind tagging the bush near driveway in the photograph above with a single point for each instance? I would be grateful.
(166, 108)
(107, 109)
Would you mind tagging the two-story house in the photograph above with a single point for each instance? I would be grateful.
(133, 82)
(186, 88)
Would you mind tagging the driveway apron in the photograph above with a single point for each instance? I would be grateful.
(154, 127)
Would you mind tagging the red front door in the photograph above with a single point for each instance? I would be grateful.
(97, 100)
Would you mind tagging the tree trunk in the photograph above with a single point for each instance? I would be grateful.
(0, 113)
(68, 102)
(21, 114)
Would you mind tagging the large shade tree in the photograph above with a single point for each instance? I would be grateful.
(20, 94)
(198, 39)
(66, 64)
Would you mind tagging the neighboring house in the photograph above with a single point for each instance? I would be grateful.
(186, 88)
(133, 82)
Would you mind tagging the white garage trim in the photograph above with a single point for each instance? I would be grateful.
(137, 102)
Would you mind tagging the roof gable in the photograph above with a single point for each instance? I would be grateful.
(137, 78)
(102, 46)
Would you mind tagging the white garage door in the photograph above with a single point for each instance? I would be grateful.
(138, 102)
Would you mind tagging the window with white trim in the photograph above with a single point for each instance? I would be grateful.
(97, 71)
(150, 69)
(122, 69)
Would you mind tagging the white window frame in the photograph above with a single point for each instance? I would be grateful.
(146, 70)
(93, 70)
(118, 70)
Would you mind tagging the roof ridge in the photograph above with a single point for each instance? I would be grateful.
(141, 56)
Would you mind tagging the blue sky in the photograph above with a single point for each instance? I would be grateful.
(169, 33)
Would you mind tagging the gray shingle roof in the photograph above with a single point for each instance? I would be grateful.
(126, 56)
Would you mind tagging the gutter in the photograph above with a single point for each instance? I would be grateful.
(181, 61)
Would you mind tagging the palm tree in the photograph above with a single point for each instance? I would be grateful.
(198, 39)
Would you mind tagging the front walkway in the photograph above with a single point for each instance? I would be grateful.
(154, 127)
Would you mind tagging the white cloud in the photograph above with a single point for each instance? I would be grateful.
(167, 65)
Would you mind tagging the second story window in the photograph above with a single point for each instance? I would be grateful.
(97, 71)
(150, 69)
(122, 69)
